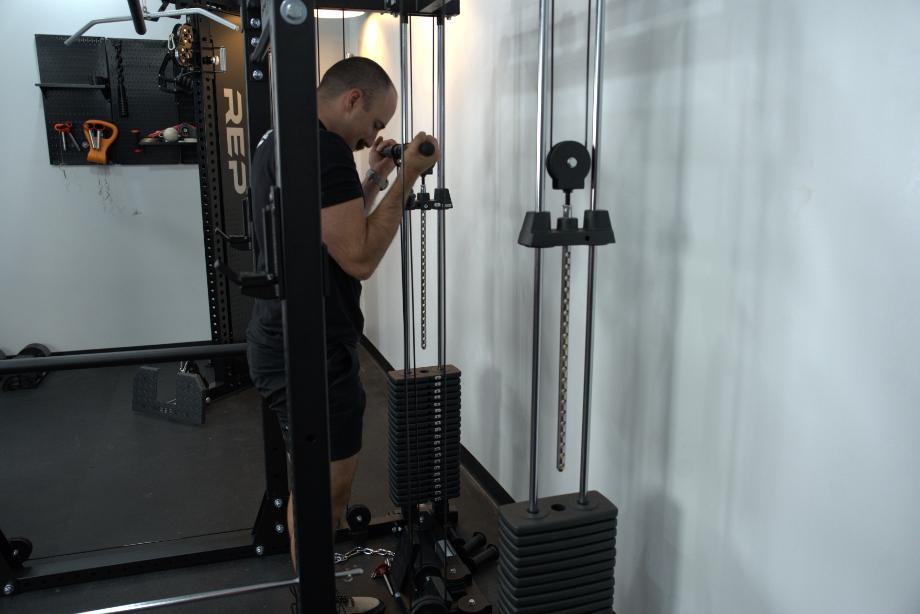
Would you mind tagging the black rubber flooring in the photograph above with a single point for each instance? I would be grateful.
(79, 471)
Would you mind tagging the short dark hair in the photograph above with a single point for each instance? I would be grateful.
(355, 72)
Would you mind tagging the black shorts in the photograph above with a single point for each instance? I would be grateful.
(346, 396)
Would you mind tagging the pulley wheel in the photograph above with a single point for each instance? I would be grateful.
(28, 380)
(429, 604)
(358, 518)
(22, 550)
(424, 572)
(36, 350)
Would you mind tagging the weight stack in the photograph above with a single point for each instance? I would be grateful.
(559, 560)
(424, 435)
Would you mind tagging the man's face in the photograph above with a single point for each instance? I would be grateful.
(363, 121)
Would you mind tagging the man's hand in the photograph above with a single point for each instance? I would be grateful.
(382, 165)
(414, 162)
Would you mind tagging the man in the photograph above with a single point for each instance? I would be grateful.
(355, 101)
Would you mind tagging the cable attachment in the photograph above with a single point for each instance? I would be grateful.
(568, 163)
(424, 202)
(563, 356)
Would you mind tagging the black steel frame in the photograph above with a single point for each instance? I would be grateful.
(288, 80)
(292, 74)
(220, 202)
(121, 561)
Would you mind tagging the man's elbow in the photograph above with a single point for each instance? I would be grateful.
(361, 271)
(363, 274)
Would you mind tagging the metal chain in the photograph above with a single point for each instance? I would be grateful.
(361, 550)
(424, 280)
(563, 356)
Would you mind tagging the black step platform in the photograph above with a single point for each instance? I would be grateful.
(560, 559)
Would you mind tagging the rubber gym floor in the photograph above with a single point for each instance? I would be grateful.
(81, 472)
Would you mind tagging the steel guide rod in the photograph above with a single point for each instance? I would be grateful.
(404, 229)
(193, 598)
(537, 278)
(442, 183)
(592, 263)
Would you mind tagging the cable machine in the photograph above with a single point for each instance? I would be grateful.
(431, 569)
(558, 553)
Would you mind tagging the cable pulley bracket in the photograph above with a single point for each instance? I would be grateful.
(537, 230)
(423, 201)
(568, 163)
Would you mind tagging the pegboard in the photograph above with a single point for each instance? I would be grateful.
(92, 59)
(78, 64)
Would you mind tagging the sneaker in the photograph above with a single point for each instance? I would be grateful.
(358, 605)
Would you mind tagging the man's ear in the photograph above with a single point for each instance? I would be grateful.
(352, 98)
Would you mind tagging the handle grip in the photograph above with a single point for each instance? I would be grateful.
(137, 16)
(396, 151)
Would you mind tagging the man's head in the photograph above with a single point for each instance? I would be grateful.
(356, 100)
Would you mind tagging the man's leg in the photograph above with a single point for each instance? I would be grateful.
(342, 474)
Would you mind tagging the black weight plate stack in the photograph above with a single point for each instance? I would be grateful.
(424, 434)
(559, 560)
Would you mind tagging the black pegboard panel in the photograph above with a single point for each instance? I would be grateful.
(149, 108)
(79, 63)
(221, 200)
(209, 175)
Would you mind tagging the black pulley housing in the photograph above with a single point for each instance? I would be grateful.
(568, 163)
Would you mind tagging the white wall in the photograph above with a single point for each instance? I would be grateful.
(91, 257)
(755, 412)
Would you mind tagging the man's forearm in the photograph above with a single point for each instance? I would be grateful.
(370, 193)
(382, 224)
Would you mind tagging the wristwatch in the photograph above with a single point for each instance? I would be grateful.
(380, 183)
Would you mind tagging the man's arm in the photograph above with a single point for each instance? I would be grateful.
(370, 193)
(358, 243)
(381, 165)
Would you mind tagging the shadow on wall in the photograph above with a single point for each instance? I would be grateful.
(654, 588)
(651, 225)
(643, 159)
(699, 121)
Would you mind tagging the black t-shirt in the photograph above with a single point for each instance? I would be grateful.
(340, 184)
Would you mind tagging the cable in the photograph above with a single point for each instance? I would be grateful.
(588, 81)
(552, 67)
(406, 256)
